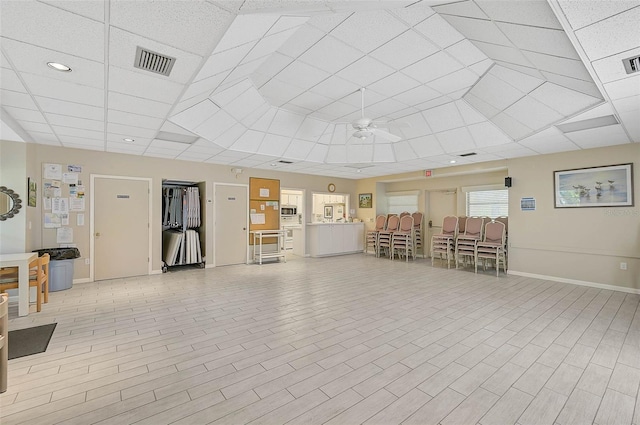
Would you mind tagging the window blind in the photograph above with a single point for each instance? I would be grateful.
(488, 203)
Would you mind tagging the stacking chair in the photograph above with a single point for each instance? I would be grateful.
(417, 227)
(462, 222)
(493, 247)
(466, 241)
(403, 213)
(385, 236)
(38, 278)
(403, 241)
(372, 235)
(444, 243)
(4, 341)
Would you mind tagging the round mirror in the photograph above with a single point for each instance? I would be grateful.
(10, 203)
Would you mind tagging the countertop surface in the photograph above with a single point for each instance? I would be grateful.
(338, 223)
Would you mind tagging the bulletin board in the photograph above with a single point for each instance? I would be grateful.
(264, 206)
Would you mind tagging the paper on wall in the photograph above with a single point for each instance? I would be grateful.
(64, 219)
(264, 193)
(64, 235)
(51, 221)
(46, 202)
(76, 204)
(257, 218)
(51, 190)
(80, 220)
(52, 171)
(60, 205)
(70, 178)
(74, 168)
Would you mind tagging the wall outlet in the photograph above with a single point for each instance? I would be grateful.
(623, 266)
(87, 261)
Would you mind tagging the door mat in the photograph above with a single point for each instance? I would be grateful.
(25, 342)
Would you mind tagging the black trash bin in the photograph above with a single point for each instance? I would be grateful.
(60, 267)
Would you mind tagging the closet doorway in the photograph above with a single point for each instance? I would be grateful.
(231, 224)
(120, 236)
(440, 203)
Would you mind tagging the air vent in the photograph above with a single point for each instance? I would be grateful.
(468, 154)
(178, 138)
(631, 65)
(282, 161)
(153, 62)
(587, 124)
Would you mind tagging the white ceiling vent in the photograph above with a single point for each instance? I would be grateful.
(153, 62)
(631, 65)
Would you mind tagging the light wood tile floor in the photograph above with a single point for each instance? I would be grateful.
(343, 340)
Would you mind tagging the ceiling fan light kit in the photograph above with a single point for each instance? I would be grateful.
(365, 127)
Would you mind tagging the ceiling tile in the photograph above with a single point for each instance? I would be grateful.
(43, 138)
(487, 134)
(612, 35)
(368, 30)
(229, 137)
(415, 126)
(223, 61)
(88, 9)
(327, 22)
(514, 129)
(481, 106)
(44, 29)
(124, 147)
(127, 103)
(269, 44)
(305, 37)
(24, 114)
(439, 31)
(610, 68)
(507, 54)
(64, 91)
(563, 66)
(274, 145)
(70, 108)
(466, 8)
(9, 81)
(598, 137)
(533, 13)
(457, 140)
(547, 141)
(444, 117)
(135, 120)
(495, 92)
(285, 123)
(478, 30)
(417, 95)
(33, 59)
(426, 146)
(335, 87)
(298, 150)
(277, 93)
(286, 23)
(623, 88)
(432, 67)
(578, 85)
(567, 102)
(628, 104)
(414, 13)
(302, 75)
(17, 99)
(204, 87)
(365, 71)
(245, 103)
(81, 123)
(215, 126)
(454, 82)
(466, 52)
(521, 81)
(393, 84)
(580, 16)
(433, 103)
(79, 133)
(330, 55)
(311, 129)
(403, 151)
(543, 40)
(193, 26)
(409, 47)
(37, 127)
(337, 154)
(168, 145)
(310, 100)
(141, 85)
(130, 131)
(533, 114)
(526, 70)
(191, 118)
(469, 115)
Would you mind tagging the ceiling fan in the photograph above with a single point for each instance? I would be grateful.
(366, 127)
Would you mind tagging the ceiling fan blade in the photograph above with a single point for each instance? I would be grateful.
(399, 124)
(385, 135)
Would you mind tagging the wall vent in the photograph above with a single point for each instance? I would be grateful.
(468, 154)
(282, 161)
(631, 65)
(153, 62)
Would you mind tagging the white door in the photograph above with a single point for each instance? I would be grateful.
(231, 235)
(441, 204)
(121, 228)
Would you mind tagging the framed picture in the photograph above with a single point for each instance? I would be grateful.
(33, 192)
(607, 186)
(328, 211)
(365, 200)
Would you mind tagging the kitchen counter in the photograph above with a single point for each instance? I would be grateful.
(326, 239)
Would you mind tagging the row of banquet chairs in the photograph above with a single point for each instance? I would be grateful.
(472, 239)
(396, 235)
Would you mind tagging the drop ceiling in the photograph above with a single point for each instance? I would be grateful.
(255, 82)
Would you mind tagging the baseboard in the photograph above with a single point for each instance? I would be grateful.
(209, 266)
(576, 282)
(83, 280)
(155, 272)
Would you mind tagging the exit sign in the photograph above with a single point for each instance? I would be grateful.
(427, 173)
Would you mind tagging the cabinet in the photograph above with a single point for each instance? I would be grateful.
(327, 239)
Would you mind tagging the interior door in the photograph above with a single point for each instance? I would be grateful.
(231, 209)
(121, 228)
(440, 204)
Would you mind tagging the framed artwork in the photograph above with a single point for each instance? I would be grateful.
(606, 186)
(365, 200)
(33, 192)
(328, 211)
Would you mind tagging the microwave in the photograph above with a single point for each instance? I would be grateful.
(288, 210)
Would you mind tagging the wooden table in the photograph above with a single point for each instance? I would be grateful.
(259, 254)
(21, 261)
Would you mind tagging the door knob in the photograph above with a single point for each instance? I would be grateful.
(97, 234)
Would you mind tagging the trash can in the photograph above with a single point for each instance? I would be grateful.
(60, 267)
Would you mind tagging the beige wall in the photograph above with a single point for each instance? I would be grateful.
(586, 244)
(136, 166)
(13, 157)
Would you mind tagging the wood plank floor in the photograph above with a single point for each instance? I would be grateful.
(343, 340)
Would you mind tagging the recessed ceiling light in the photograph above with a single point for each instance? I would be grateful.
(453, 161)
(58, 66)
(274, 164)
(128, 140)
(358, 170)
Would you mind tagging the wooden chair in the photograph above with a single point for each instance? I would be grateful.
(38, 278)
(4, 340)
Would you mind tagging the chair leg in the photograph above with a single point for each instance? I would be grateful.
(39, 298)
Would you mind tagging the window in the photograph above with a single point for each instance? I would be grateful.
(488, 203)
(398, 202)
